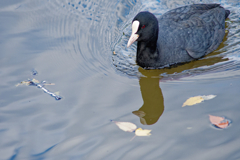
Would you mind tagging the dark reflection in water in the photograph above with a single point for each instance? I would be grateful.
(153, 102)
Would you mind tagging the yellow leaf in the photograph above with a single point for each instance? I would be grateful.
(193, 100)
(197, 99)
(126, 126)
(142, 132)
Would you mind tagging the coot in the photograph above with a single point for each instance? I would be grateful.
(180, 35)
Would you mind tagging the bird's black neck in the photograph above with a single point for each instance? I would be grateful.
(147, 54)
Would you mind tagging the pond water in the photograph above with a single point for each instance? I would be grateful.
(80, 46)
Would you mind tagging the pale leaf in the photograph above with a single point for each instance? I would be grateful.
(142, 132)
(126, 126)
(197, 99)
(193, 100)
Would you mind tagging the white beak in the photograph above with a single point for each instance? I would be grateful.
(134, 36)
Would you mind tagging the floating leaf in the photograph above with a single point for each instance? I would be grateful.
(220, 122)
(197, 99)
(215, 119)
(126, 126)
(193, 100)
(142, 132)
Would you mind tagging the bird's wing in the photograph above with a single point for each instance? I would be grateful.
(199, 29)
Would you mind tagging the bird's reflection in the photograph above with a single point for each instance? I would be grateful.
(153, 103)
(153, 100)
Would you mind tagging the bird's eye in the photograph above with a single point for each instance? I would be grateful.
(143, 26)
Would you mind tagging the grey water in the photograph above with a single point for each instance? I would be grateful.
(80, 47)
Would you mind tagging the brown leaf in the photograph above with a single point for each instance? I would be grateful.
(215, 119)
(219, 121)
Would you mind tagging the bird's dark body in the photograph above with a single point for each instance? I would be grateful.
(184, 34)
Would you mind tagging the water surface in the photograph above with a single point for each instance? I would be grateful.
(71, 44)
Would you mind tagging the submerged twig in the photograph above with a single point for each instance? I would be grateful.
(41, 85)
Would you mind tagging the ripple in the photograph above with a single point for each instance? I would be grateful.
(224, 59)
(81, 32)
(82, 35)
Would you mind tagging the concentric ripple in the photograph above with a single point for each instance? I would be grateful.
(224, 59)
(80, 34)
(90, 37)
